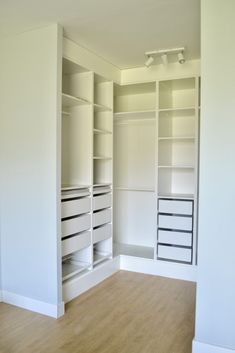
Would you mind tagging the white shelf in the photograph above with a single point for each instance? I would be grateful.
(101, 158)
(100, 132)
(101, 184)
(71, 101)
(65, 113)
(101, 108)
(176, 109)
(127, 188)
(133, 250)
(176, 138)
(176, 196)
(100, 257)
(74, 187)
(72, 268)
(176, 166)
(144, 114)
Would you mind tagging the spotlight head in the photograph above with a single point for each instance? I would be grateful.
(164, 59)
(181, 58)
(149, 61)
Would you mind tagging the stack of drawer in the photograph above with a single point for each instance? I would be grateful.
(102, 218)
(175, 230)
(75, 222)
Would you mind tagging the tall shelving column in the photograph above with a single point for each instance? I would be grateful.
(76, 172)
(102, 202)
(177, 170)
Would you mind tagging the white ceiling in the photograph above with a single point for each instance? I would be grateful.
(120, 31)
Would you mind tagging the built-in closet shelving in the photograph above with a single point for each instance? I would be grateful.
(155, 163)
(87, 172)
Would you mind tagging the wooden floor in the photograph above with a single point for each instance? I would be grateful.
(127, 313)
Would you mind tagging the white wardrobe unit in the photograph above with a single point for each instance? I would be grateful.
(86, 173)
(156, 170)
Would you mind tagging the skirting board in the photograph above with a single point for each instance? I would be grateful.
(158, 268)
(200, 347)
(33, 305)
(77, 286)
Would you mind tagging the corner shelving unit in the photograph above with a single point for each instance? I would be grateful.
(177, 170)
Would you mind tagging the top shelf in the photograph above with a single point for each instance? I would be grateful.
(71, 101)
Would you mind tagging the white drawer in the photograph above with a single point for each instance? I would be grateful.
(102, 233)
(175, 222)
(75, 243)
(175, 238)
(101, 217)
(173, 253)
(176, 206)
(75, 225)
(102, 201)
(75, 207)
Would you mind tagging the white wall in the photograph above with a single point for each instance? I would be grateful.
(29, 178)
(215, 309)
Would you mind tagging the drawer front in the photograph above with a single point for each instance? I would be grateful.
(75, 225)
(176, 206)
(173, 253)
(102, 233)
(76, 243)
(75, 207)
(102, 201)
(101, 217)
(175, 238)
(175, 222)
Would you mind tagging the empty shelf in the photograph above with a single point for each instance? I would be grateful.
(100, 257)
(100, 131)
(72, 268)
(71, 101)
(101, 108)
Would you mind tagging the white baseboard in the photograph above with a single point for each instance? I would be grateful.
(158, 268)
(77, 286)
(34, 305)
(200, 347)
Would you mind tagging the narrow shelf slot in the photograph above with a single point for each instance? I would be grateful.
(101, 108)
(102, 157)
(101, 132)
(99, 257)
(142, 114)
(71, 101)
(71, 268)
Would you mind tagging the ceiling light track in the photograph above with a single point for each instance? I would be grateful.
(163, 54)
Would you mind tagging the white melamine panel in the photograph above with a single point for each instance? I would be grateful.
(175, 206)
(174, 253)
(79, 85)
(102, 217)
(135, 218)
(75, 207)
(102, 233)
(75, 225)
(103, 145)
(175, 222)
(134, 154)
(75, 243)
(175, 238)
(102, 201)
(103, 92)
(102, 171)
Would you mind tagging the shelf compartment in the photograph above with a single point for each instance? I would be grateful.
(76, 243)
(99, 257)
(141, 114)
(75, 225)
(101, 189)
(179, 123)
(101, 132)
(102, 201)
(144, 252)
(102, 233)
(71, 268)
(175, 238)
(173, 253)
(71, 101)
(176, 196)
(176, 153)
(101, 108)
(102, 217)
(175, 181)
(75, 207)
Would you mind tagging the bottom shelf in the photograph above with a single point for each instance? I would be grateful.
(99, 257)
(133, 250)
(71, 268)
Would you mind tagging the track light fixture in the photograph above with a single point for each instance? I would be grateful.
(149, 60)
(164, 53)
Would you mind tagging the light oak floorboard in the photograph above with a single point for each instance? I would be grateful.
(127, 313)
